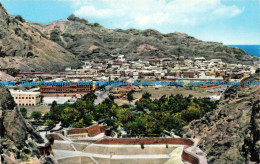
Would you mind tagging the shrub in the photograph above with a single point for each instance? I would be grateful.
(24, 112)
(36, 115)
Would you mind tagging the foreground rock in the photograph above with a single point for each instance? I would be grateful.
(17, 137)
(231, 134)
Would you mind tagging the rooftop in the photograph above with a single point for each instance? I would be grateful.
(23, 92)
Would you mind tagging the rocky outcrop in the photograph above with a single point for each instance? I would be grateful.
(91, 40)
(231, 133)
(5, 77)
(26, 48)
(17, 137)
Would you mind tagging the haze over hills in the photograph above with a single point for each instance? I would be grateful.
(26, 48)
(231, 133)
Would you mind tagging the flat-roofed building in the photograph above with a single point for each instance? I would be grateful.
(66, 90)
(22, 98)
(188, 74)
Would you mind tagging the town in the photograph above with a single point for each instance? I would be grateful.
(124, 100)
(94, 75)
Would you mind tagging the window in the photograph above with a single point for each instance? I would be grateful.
(29, 97)
(16, 97)
(22, 97)
(26, 97)
(32, 97)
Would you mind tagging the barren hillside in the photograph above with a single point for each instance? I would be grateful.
(88, 40)
(26, 48)
(231, 134)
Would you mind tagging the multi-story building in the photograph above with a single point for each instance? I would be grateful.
(65, 90)
(188, 74)
(22, 98)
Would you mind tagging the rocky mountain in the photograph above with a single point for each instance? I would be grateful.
(231, 134)
(17, 137)
(26, 48)
(88, 40)
(53, 46)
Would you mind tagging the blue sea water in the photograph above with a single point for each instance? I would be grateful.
(250, 49)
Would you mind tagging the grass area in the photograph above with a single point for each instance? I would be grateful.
(157, 93)
(43, 109)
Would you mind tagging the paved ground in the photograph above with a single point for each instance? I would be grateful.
(60, 154)
(174, 156)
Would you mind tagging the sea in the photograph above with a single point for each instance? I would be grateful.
(253, 50)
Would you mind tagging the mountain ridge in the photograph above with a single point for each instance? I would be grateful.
(26, 48)
(91, 40)
(30, 46)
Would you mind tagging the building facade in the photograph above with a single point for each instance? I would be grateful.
(26, 98)
(65, 90)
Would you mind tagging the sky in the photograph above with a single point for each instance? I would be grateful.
(226, 21)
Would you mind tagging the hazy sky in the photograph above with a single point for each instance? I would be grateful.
(227, 21)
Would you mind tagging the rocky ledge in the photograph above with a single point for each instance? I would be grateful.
(18, 139)
(231, 133)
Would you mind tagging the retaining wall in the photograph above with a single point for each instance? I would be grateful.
(177, 141)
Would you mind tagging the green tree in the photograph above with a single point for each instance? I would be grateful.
(138, 126)
(146, 95)
(125, 115)
(111, 97)
(50, 123)
(88, 119)
(70, 115)
(55, 113)
(52, 110)
(79, 124)
(24, 112)
(130, 96)
(90, 96)
(54, 103)
(36, 115)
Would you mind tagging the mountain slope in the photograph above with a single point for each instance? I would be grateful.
(231, 134)
(17, 137)
(26, 48)
(94, 41)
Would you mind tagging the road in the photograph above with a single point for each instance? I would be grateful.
(102, 95)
